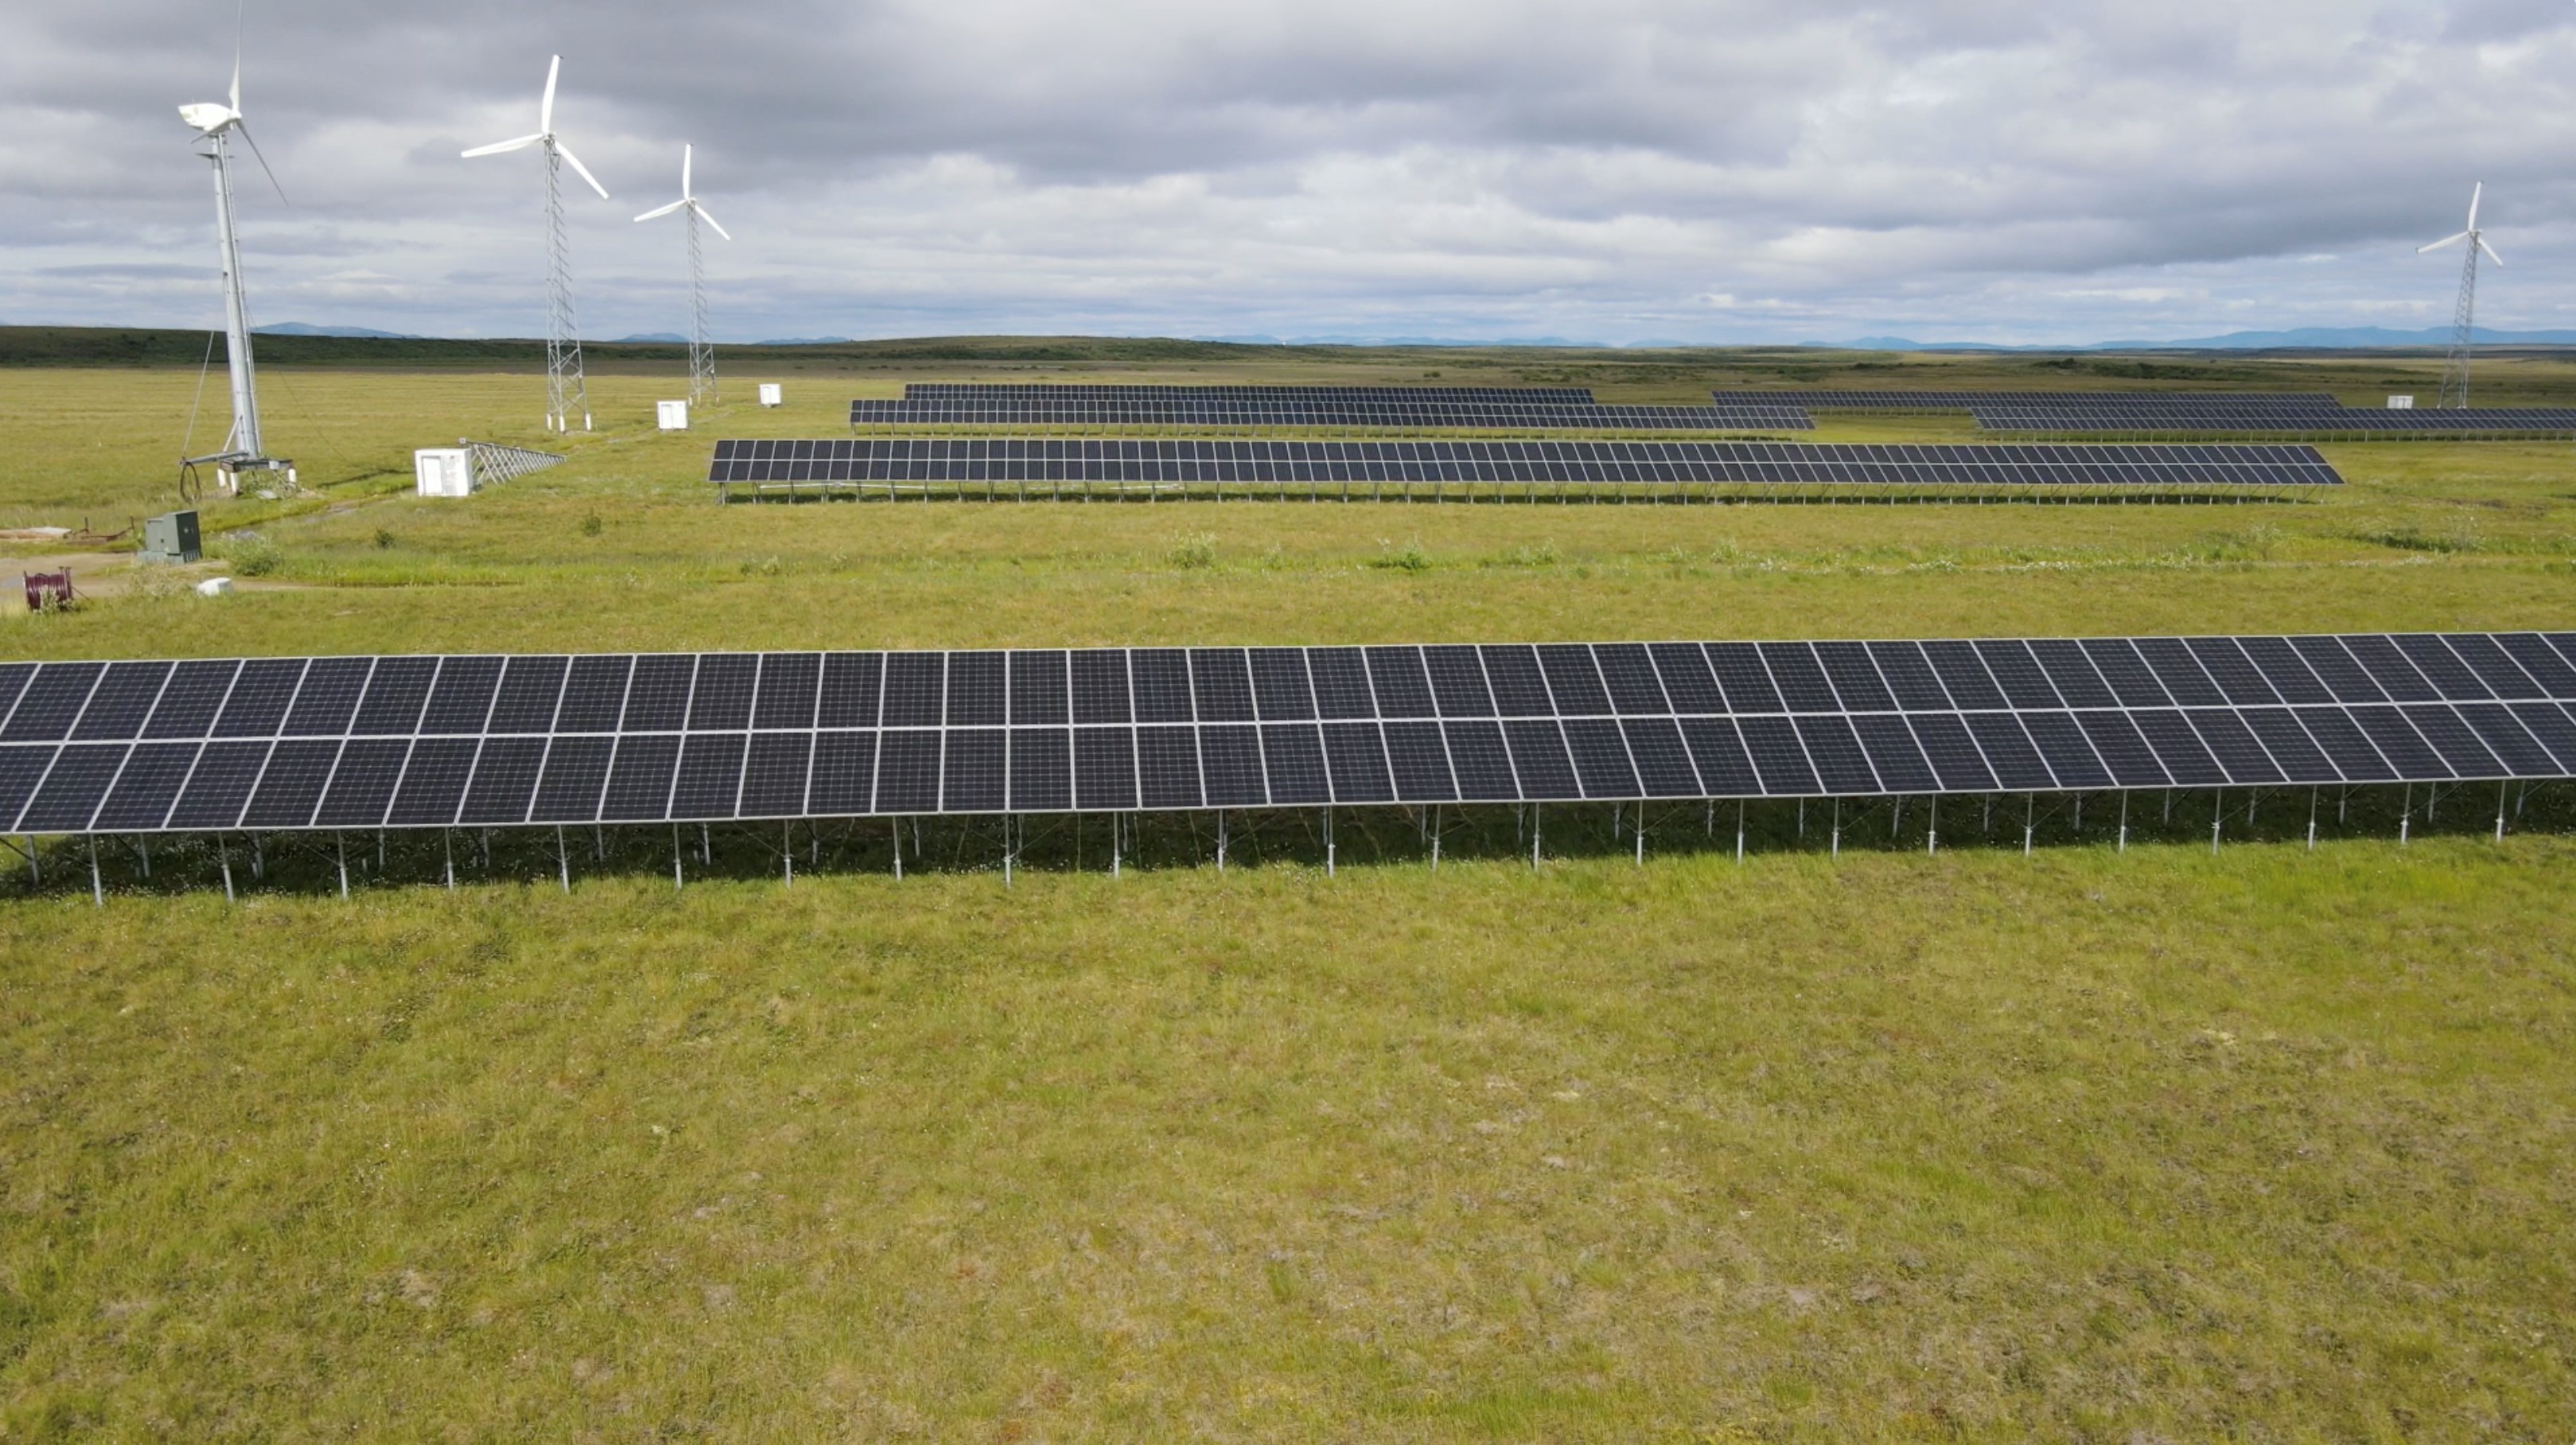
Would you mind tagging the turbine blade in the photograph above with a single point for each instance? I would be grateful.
(684, 170)
(2475, 191)
(237, 50)
(728, 235)
(2490, 250)
(2438, 245)
(499, 147)
(583, 170)
(546, 107)
(660, 211)
(244, 127)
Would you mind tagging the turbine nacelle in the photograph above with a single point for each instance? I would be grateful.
(210, 117)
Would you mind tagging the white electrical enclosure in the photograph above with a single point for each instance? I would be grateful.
(671, 415)
(2401, 403)
(769, 394)
(443, 471)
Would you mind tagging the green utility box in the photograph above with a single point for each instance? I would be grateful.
(170, 537)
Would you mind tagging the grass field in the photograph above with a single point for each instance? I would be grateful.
(2112, 1146)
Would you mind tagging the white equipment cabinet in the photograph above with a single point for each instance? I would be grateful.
(443, 471)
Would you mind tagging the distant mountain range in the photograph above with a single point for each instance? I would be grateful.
(2328, 338)
(307, 328)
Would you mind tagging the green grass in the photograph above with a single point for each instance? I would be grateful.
(2098, 1146)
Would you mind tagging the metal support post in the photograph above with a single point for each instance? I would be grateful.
(340, 844)
(2500, 787)
(2217, 815)
(897, 824)
(2406, 818)
(598, 834)
(1220, 840)
(1118, 831)
(224, 857)
(1534, 812)
(35, 870)
(678, 880)
(447, 858)
(1641, 835)
(258, 861)
(143, 845)
(706, 847)
(1739, 831)
(1435, 837)
(1329, 851)
(97, 889)
(787, 850)
(563, 857)
(2312, 820)
(1838, 828)
(2124, 820)
(1010, 845)
(1932, 827)
(2029, 820)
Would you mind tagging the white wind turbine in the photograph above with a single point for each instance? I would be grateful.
(2455, 366)
(216, 123)
(702, 357)
(565, 388)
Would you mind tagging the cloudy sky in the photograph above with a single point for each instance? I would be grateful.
(1616, 171)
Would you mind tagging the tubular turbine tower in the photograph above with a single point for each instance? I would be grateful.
(566, 392)
(2464, 317)
(216, 123)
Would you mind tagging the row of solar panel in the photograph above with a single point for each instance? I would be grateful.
(727, 692)
(1513, 463)
(1356, 414)
(1018, 449)
(1099, 391)
(653, 777)
(1830, 400)
(2430, 420)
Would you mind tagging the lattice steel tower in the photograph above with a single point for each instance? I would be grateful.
(702, 353)
(2464, 315)
(566, 392)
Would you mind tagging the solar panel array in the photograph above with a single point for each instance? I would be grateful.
(492, 741)
(1410, 413)
(1313, 464)
(1829, 400)
(1099, 391)
(2217, 418)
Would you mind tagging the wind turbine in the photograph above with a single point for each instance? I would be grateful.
(216, 123)
(2455, 366)
(702, 357)
(565, 388)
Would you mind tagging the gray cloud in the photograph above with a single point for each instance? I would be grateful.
(1751, 170)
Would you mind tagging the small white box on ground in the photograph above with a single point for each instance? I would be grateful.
(2401, 403)
(671, 415)
(215, 587)
(443, 471)
(769, 394)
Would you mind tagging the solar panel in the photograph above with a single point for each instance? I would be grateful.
(2032, 401)
(1024, 467)
(2230, 416)
(1499, 411)
(688, 737)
